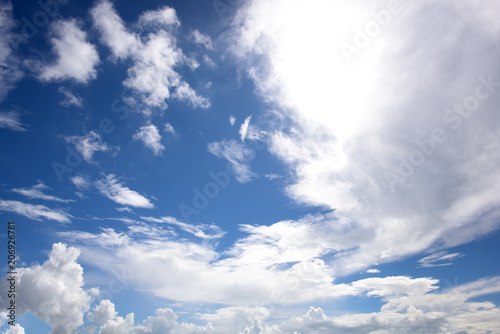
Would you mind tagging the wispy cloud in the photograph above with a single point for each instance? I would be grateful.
(10, 71)
(117, 192)
(169, 129)
(35, 212)
(202, 39)
(151, 138)
(70, 99)
(76, 58)
(439, 259)
(35, 192)
(238, 156)
(201, 231)
(11, 120)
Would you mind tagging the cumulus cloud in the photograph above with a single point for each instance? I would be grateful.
(232, 119)
(10, 71)
(11, 120)
(35, 212)
(151, 138)
(238, 156)
(53, 291)
(153, 76)
(70, 99)
(76, 58)
(87, 145)
(118, 193)
(403, 162)
(36, 192)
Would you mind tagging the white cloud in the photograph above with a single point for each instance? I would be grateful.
(35, 212)
(153, 76)
(201, 231)
(347, 126)
(169, 128)
(373, 271)
(238, 156)
(35, 192)
(80, 182)
(53, 291)
(232, 119)
(10, 72)
(16, 329)
(70, 99)
(11, 120)
(202, 39)
(150, 136)
(117, 192)
(76, 58)
(439, 259)
(87, 145)
(244, 128)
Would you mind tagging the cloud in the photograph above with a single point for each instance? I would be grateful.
(169, 129)
(244, 128)
(199, 38)
(439, 259)
(35, 212)
(10, 71)
(53, 291)
(80, 182)
(35, 192)
(201, 231)
(70, 99)
(361, 139)
(11, 120)
(232, 119)
(150, 136)
(87, 145)
(238, 156)
(372, 271)
(118, 193)
(152, 77)
(76, 58)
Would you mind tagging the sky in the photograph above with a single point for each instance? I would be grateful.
(250, 167)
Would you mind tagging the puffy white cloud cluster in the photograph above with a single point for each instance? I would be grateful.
(154, 55)
(76, 58)
(52, 291)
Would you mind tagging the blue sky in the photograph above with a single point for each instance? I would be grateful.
(251, 166)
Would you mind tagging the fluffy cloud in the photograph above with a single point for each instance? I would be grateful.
(76, 58)
(117, 192)
(11, 120)
(10, 72)
(35, 192)
(35, 212)
(403, 162)
(53, 291)
(153, 76)
(150, 136)
(238, 156)
(87, 145)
